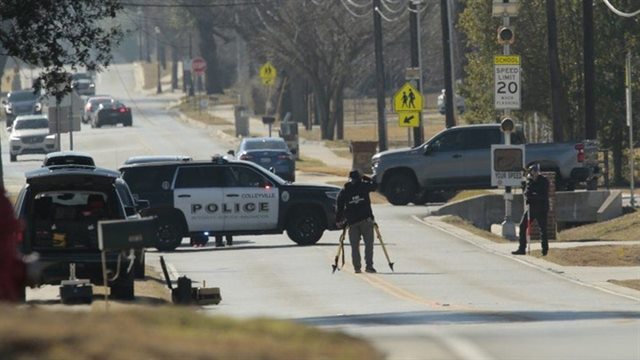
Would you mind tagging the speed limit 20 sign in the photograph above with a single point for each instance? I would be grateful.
(507, 82)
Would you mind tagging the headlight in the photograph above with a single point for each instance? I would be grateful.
(92, 85)
(14, 138)
(38, 107)
(333, 194)
(51, 137)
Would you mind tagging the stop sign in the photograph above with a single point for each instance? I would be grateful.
(198, 65)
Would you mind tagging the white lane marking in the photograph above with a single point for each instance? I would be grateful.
(531, 265)
(461, 347)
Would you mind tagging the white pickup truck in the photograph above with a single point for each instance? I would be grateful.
(459, 158)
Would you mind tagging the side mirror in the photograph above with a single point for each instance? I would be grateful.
(272, 169)
(8, 129)
(4, 101)
(428, 149)
(231, 152)
(142, 204)
(294, 151)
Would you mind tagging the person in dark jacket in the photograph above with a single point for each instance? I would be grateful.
(12, 268)
(354, 211)
(536, 193)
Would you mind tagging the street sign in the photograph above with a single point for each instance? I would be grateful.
(407, 98)
(507, 82)
(505, 8)
(268, 73)
(409, 118)
(507, 162)
(198, 65)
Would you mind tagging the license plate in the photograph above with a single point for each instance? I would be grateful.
(114, 114)
(265, 160)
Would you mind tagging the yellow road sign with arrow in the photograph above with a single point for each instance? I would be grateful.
(409, 118)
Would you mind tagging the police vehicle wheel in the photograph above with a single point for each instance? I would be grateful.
(169, 236)
(122, 288)
(305, 227)
(400, 189)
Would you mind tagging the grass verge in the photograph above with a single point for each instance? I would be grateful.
(162, 332)
(465, 194)
(190, 109)
(633, 284)
(312, 165)
(623, 228)
(596, 255)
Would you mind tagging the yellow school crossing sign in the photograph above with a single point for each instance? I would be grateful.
(408, 102)
(268, 73)
(407, 98)
(409, 118)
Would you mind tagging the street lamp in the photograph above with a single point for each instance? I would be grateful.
(159, 88)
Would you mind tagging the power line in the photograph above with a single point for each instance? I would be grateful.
(190, 5)
(620, 13)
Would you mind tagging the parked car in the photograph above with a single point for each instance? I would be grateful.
(60, 207)
(21, 102)
(460, 158)
(270, 153)
(68, 158)
(83, 84)
(92, 105)
(112, 113)
(458, 103)
(30, 135)
(225, 198)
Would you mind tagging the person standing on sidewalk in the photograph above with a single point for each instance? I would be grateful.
(354, 210)
(536, 194)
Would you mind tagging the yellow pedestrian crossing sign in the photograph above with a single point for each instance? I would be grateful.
(409, 118)
(268, 73)
(407, 98)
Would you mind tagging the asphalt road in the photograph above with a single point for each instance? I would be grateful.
(447, 298)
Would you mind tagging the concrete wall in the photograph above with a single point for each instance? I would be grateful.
(571, 206)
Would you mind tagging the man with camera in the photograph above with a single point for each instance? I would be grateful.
(354, 210)
(536, 192)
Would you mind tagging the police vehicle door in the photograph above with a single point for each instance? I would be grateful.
(250, 200)
(198, 194)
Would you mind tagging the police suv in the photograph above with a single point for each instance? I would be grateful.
(225, 197)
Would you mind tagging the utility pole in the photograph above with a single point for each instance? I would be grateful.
(377, 34)
(446, 53)
(589, 72)
(159, 87)
(632, 167)
(416, 61)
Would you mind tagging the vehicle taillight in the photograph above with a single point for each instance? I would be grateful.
(246, 157)
(123, 110)
(580, 148)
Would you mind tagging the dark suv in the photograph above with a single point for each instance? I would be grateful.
(60, 207)
(21, 102)
(225, 198)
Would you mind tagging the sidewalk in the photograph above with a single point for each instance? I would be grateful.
(590, 276)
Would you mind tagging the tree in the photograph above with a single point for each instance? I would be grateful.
(52, 34)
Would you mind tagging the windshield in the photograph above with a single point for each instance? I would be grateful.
(32, 124)
(22, 96)
(265, 145)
